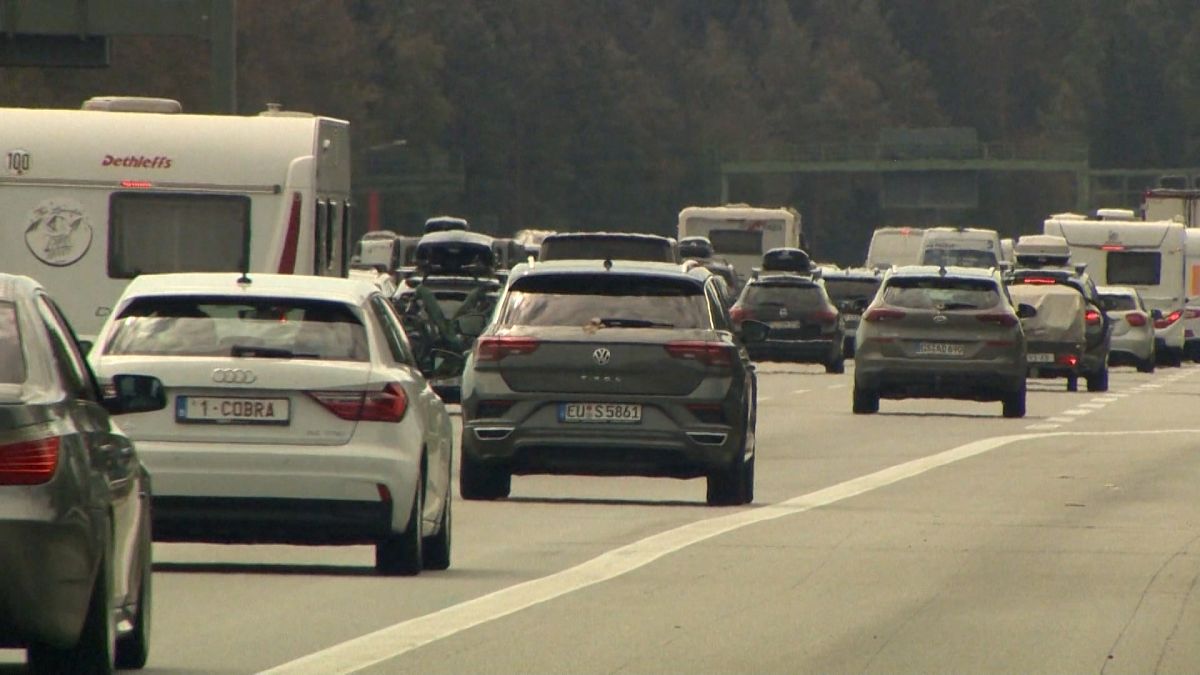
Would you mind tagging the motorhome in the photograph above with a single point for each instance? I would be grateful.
(741, 233)
(1164, 204)
(1184, 206)
(1149, 256)
(94, 197)
(894, 247)
(961, 246)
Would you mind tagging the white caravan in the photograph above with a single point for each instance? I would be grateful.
(1184, 206)
(1149, 256)
(740, 233)
(1164, 204)
(894, 247)
(92, 198)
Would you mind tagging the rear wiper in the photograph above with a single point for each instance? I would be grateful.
(617, 322)
(958, 305)
(267, 352)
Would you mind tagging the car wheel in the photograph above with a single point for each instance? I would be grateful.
(836, 367)
(1072, 383)
(1014, 403)
(133, 648)
(401, 554)
(734, 485)
(1146, 366)
(1098, 381)
(436, 548)
(866, 401)
(93, 652)
(476, 480)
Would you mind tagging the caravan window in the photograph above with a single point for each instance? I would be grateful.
(1127, 268)
(732, 242)
(161, 233)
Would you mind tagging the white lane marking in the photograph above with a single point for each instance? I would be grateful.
(762, 399)
(1042, 427)
(1106, 399)
(837, 386)
(393, 641)
(1061, 420)
(1092, 406)
(1077, 413)
(800, 391)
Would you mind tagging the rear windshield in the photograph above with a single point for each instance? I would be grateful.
(607, 248)
(851, 289)
(960, 257)
(941, 293)
(1126, 268)
(792, 297)
(623, 301)
(250, 327)
(1120, 303)
(12, 360)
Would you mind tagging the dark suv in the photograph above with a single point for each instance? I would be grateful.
(806, 327)
(603, 368)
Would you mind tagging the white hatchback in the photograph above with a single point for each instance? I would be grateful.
(296, 414)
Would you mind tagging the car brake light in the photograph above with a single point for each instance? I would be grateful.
(1092, 317)
(1112, 247)
(999, 319)
(386, 405)
(1169, 319)
(1068, 359)
(499, 347)
(1037, 281)
(708, 353)
(740, 314)
(880, 314)
(825, 316)
(29, 462)
(1136, 319)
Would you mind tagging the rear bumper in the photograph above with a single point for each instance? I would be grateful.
(803, 351)
(1131, 348)
(968, 380)
(46, 575)
(229, 520)
(1059, 367)
(197, 485)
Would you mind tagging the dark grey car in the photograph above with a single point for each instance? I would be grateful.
(806, 327)
(626, 368)
(74, 499)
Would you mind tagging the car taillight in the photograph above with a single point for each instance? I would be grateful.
(499, 347)
(1092, 317)
(1169, 319)
(825, 316)
(1136, 319)
(708, 353)
(740, 314)
(999, 319)
(29, 462)
(387, 405)
(880, 314)
(1037, 281)
(1068, 360)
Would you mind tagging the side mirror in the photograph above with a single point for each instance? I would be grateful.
(135, 394)
(1025, 311)
(754, 331)
(446, 363)
(1156, 314)
(470, 325)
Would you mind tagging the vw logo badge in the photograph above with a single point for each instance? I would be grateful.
(939, 319)
(783, 312)
(602, 356)
(233, 376)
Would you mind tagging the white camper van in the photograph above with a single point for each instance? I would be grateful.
(1149, 256)
(92, 198)
(894, 247)
(740, 233)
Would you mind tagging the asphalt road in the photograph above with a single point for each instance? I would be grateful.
(935, 536)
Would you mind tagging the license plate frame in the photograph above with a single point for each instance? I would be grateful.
(947, 349)
(1041, 357)
(200, 410)
(590, 412)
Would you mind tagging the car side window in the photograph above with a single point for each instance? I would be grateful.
(397, 342)
(71, 366)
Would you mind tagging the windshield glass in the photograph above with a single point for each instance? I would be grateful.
(254, 327)
(12, 360)
(628, 300)
(792, 297)
(960, 257)
(1120, 303)
(941, 293)
(851, 289)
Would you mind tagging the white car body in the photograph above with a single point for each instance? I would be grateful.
(1133, 328)
(894, 247)
(740, 233)
(315, 458)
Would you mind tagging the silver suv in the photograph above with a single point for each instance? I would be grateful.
(603, 368)
(941, 333)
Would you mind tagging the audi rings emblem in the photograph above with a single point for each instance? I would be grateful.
(602, 356)
(234, 376)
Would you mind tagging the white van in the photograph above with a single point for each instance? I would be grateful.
(92, 198)
(894, 247)
(1149, 256)
(740, 233)
(961, 246)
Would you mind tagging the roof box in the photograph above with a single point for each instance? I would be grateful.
(1115, 214)
(1038, 250)
(168, 106)
(786, 260)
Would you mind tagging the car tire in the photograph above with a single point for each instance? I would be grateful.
(1146, 366)
(476, 480)
(436, 548)
(133, 648)
(1014, 403)
(866, 401)
(732, 486)
(1072, 383)
(93, 653)
(402, 554)
(837, 366)
(1098, 381)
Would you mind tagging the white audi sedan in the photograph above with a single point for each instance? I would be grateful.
(296, 415)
